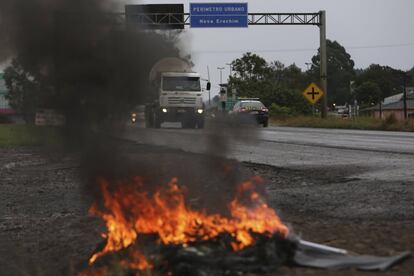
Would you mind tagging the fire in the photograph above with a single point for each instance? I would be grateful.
(130, 211)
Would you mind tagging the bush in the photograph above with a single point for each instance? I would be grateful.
(280, 111)
(390, 120)
(5, 119)
(362, 122)
(29, 135)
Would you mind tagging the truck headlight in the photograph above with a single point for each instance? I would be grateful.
(200, 111)
(164, 110)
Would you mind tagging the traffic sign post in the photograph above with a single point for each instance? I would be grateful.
(218, 15)
(313, 93)
(323, 63)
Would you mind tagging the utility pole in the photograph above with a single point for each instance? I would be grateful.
(221, 74)
(323, 63)
(380, 109)
(405, 96)
(209, 93)
(230, 69)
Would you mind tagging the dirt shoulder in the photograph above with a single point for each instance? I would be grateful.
(331, 207)
(45, 228)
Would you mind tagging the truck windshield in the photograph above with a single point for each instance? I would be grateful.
(181, 84)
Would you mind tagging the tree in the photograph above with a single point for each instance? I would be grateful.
(287, 85)
(273, 83)
(250, 67)
(340, 72)
(368, 93)
(26, 91)
(389, 80)
(249, 75)
(410, 75)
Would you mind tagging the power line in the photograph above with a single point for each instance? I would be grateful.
(299, 49)
(382, 46)
(251, 50)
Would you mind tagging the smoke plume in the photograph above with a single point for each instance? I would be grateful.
(85, 60)
(88, 64)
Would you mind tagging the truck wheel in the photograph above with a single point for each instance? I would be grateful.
(148, 117)
(266, 123)
(200, 123)
(157, 121)
(147, 121)
(157, 124)
(192, 122)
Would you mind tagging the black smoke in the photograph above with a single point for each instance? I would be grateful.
(86, 61)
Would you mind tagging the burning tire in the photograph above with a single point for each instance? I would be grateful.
(252, 238)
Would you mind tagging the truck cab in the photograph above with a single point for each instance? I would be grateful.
(181, 99)
(178, 96)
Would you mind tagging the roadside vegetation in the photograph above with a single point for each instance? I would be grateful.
(280, 86)
(28, 135)
(363, 122)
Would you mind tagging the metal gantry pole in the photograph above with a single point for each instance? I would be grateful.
(230, 68)
(323, 63)
(209, 91)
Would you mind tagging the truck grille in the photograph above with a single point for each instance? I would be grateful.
(181, 100)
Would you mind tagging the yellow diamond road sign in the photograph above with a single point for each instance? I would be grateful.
(313, 93)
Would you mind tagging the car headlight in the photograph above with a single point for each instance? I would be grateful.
(200, 111)
(164, 110)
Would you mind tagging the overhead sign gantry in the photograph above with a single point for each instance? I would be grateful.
(234, 17)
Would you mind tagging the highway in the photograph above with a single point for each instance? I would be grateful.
(377, 141)
(375, 155)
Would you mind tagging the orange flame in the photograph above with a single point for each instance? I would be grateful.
(130, 211)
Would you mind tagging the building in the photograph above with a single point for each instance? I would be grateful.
(5, 108)
(394, 105)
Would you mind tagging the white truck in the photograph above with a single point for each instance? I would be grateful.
(176, 95)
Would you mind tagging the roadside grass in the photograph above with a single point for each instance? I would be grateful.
(28, 135)
(366, 123)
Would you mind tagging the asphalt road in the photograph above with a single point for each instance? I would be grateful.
(346, 189)
(375, 155)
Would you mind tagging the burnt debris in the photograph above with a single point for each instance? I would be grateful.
(211, 257)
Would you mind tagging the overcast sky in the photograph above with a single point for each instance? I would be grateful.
(372, 31)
